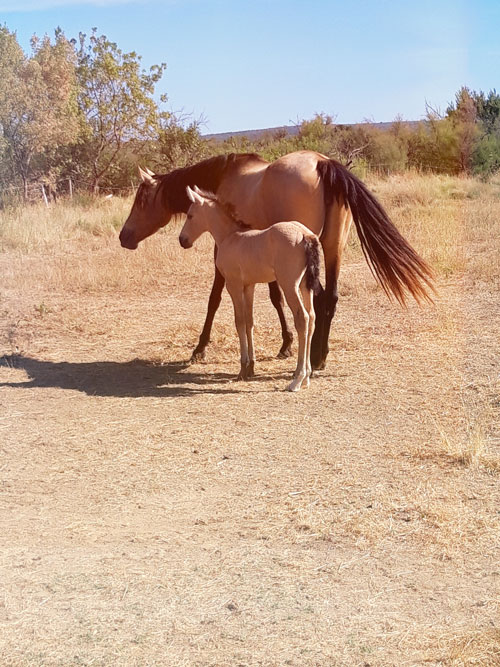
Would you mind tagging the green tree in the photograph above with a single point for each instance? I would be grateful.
(486, 155)
(37, 102)
(116, 99)
(11, 61)
(180, 145)
(464, 118)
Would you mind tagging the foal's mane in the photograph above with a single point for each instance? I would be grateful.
(228, 208)
(206, 174)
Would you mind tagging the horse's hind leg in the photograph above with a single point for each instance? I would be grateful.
(333, 240)
(213, 304)
(317, 339)
(276, 296)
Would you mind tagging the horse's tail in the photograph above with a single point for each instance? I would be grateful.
(392, 260)
(313, 262)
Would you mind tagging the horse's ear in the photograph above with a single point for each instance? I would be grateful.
(148, 171)
(146, 177)
(193, 195)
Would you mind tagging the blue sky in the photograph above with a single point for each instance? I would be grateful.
(245, 65)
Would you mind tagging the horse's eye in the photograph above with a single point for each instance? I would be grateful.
(189, 217)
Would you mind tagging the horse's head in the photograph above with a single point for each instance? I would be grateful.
(148, 212)
(196, 221)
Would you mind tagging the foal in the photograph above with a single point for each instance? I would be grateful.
(287, 252)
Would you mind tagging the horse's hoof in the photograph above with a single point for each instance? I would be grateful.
(197, 356)
(318, 365)
(284, 353)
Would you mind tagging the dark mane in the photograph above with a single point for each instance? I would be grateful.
(206, 175)
(228, 208)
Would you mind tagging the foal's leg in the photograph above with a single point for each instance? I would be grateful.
(301, 320)
(238, 298)
(213, 304)
(307, 298)
(248, 293)
(276, 296)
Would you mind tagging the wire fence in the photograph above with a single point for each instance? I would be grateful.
(67, 188)
(49, 192)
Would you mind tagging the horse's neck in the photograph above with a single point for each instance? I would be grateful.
(206, 175)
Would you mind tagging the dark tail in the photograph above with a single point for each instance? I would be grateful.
(390, 257)
(313, 260)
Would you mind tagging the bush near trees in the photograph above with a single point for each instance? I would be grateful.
(84, 110)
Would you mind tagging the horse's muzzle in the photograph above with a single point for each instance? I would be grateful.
(184, 241)
(127, 239)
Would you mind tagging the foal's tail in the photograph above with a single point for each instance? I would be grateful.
(390, 257)
(313, 262)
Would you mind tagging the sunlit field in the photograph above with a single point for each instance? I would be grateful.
(156, 512)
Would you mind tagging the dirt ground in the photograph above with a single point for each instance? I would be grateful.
(158, 513)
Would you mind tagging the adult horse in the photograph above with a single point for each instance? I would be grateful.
(305, 186)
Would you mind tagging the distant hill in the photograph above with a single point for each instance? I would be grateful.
(290, 130)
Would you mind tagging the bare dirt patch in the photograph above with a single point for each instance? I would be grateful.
(154, 512)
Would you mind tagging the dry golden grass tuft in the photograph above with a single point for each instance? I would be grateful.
(155, 512)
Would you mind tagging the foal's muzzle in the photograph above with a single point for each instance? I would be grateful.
(184, 241)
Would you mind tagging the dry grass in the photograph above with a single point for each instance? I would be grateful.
(157, 513)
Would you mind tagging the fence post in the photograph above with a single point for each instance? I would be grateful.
(44, 195)
(70, 184)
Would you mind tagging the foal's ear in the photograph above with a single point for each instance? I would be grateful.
(193, 195)
(146, 176)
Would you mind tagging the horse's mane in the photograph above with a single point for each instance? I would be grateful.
(228, 208)
(206, 174)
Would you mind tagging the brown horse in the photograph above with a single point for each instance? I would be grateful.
(305, 186)
(286, 252)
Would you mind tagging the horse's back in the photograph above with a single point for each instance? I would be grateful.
(292, 190)
(265, 193)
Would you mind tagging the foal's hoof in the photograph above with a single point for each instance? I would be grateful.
(246, 371)
(297, 383)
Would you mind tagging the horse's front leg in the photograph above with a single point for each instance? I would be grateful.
(276, 296)
(213, 304)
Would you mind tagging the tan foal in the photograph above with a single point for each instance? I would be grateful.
(287, 252)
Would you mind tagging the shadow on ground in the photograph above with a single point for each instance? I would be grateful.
(133, 379)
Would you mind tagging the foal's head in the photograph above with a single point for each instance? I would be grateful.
(205, 212)
(148, 212)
